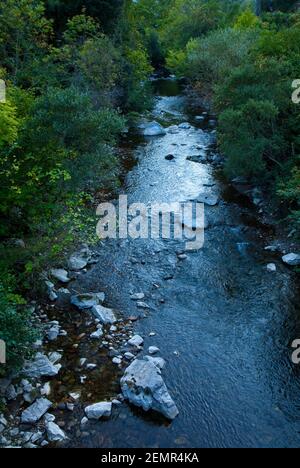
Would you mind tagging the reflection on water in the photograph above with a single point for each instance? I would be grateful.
(222, 322)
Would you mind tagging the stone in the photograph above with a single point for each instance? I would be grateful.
(200, 159)
(116, 402)
(142, 305)
(208, 199)
(77, 262)
(137, 296)
(53, 332)
(34, 413)
(60, 275)
(153, 129)
(88, 300)
(272, 248)
(97, 334)
(3, 421)
(271, 267)
(105, 315)
(75, 395)
(46, 389)
(41, 367)
(173, 130)
(157, 361)
(143, 386)
(182, 257)
(129, 356)
(54, 432)
(11, 393)
(49, 417)
(291, 259)
(136, 341)
(153, 350)
(84, 421)
(99, 410)
(91, 366)
(170, 157)
(36, 437)
(54, 357)
(184, 126)
(117, 361)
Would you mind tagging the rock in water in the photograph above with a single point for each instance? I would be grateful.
(154, 129)
(34, 413)
(271, 267)
(184, 126)
(98, 410)
(144, 387)
(291, 259)
(106, 316)
(41, 367)
(208, 199)
(54, 432)
(136, 341)
(88, 300)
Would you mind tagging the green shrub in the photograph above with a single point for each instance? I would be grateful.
(15, 326)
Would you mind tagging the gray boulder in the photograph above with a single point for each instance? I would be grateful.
(208, 199)
(135, 341)
(41, 367)
(80, 260)
(99, 410)
(184, 126)
(54, 432)
(34, 413)
(88, 300)
(97, 334)
(291, 259)
(60, 275)
(105, 315)
(144, 387)
(153, 129)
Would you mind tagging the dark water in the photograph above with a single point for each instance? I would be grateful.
(230, 322)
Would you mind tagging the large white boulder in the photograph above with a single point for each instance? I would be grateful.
(144, 387)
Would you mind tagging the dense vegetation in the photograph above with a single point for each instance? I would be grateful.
(76, 69)
(73, 70)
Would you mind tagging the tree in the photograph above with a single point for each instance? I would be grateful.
(258, 7)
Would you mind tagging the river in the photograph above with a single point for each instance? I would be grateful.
(223, 323)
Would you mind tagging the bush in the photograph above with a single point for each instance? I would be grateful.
(15, 326)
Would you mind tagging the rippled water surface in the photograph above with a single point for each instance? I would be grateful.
(229, 321)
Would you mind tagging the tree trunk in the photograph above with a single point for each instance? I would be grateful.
(258, 7)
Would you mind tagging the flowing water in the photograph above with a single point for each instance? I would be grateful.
(223, 323)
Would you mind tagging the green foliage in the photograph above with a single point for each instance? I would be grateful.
(24, 37)
(246, 20)
(15, 325)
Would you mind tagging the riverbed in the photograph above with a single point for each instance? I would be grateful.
(222, 322)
